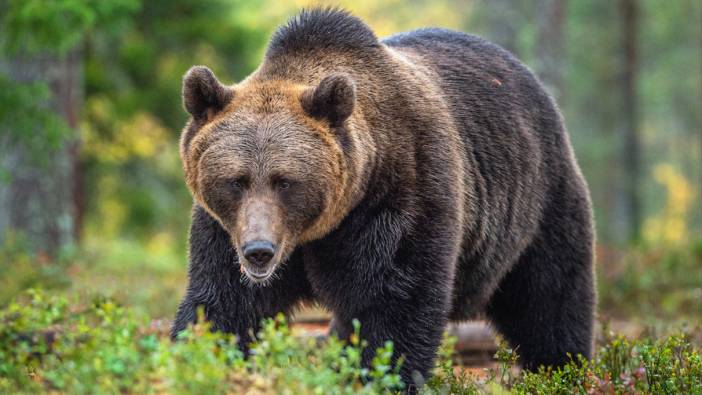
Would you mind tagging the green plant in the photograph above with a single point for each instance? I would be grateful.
(50, 344)
(446, 379)
(667, 366)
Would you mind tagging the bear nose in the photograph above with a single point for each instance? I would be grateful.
(258, 252)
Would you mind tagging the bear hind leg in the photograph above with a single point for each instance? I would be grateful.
(545, 306)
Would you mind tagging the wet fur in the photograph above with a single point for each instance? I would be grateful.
(455, 194)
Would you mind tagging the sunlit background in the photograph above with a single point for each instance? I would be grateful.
(91, 192)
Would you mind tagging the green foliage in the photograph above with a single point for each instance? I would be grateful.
(445, 379)
(672, 365)
(668, 366)
(48, 344)
(51, 344)
(40, 26)
(333, 367)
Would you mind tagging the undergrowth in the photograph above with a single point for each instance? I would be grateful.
(51, 345)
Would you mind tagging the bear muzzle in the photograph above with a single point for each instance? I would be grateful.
(259, 235)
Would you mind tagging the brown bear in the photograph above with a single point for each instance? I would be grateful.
(403, 182)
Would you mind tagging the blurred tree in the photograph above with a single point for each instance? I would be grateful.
(41, 70)
(550, 40)
(592, 112)
(39, 197)
(631, 153)
(502, 21)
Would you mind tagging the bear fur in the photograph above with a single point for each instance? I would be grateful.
(406, 183)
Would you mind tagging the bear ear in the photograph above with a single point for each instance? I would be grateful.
(203, 94)
(333, 99)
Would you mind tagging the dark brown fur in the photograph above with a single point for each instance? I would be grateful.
(427, 177)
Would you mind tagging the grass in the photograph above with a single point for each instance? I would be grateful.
(49, 344)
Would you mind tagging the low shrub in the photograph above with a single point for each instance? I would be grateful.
(53, 345)
(50, 345)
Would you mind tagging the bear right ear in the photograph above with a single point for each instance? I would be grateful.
(203, 94)
(333, 99)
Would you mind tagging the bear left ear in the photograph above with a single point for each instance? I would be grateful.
(203, 94)
(333, 99)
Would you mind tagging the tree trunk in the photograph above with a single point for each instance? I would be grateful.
(502, 19)
(632, 147)
(550, 20)
(39, 201)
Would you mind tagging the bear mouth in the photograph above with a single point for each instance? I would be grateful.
(259, 277)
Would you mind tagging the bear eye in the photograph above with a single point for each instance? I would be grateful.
(283, 183)
(238, 183)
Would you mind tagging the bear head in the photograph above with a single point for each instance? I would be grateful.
(267, 160)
